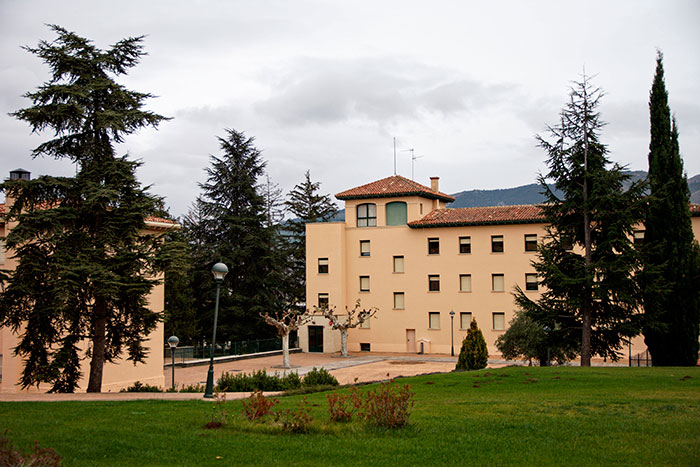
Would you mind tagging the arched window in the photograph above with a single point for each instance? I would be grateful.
(367, 215)
(396, 213)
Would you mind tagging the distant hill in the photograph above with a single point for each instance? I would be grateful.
(526, 194)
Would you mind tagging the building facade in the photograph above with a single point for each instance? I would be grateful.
(428, 269)
(117, 375)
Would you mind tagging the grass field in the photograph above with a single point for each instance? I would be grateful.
(522, 415)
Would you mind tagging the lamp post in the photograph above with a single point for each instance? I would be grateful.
(173, 341)
(452, 332)
(219, 270)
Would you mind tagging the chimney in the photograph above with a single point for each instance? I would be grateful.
(20, 174)
(434, 183)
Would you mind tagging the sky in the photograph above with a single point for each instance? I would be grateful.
(327, 85)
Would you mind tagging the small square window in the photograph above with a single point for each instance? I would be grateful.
(323, 265)
(465, 282)
(433, 246)
(465, 244)
(398, 300)
(497, 283)
(434, 283)
(323, 300)
(531, 282)
(364, 347)
(567, 242)
(465, 320)
(364, 283)
(638, 238)
(497, 243)
(398, 263)
(499, 321)
(434, 320)
(364, 247)
(531, 242)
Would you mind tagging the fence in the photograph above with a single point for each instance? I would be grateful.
(641, 359)
(198, 352)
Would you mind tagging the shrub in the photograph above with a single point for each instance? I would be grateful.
(297, 420)
(474, 354)
(342, 407)
(319, 377)
(257, 406)
(389, 406)
(260, 380)
(218, 416)
(290, 381)
(9, 456)
(138, 386)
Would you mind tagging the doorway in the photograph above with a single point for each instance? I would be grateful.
(315, 338)
(411, 340)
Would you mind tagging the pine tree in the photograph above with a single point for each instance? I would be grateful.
(83, 263)
(671, 255)
(229, 224)
(474, 354)
(590, 294)
(305, 204)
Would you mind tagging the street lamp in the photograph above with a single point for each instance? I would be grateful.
(452, 331)
(173, 341)
(219, 271)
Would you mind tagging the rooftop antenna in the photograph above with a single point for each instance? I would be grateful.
(394, 155)
(413, 160)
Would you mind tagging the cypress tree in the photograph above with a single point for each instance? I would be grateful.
(671, 254)
(82, 259)
(474, 354)
(590, 294)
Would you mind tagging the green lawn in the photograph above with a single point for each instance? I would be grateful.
(592, 416)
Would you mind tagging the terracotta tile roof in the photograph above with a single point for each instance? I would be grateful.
(521, 214)
(695, 210)
(395, 185)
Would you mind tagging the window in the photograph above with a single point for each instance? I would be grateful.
(465, 282)
(567, 242)
(398, 263)
(465, 320)
(531, 242)
(434, 283)
(531, 281)
(364, 283)
(364, 347)
(434, 320)
(364, 247)
(323, 300)
(433, 246)
(499, 321)
(366, 215)
(638, 238)
(323, 265)
(465, 244)
(497, 244)
(398, 301)
(396, 213)
(497, 283)
(365, 324)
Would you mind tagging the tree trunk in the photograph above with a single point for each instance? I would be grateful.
(99, 339)
(285, 351)
(586, 308)
(344, 342)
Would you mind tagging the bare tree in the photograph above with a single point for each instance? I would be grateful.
(285, 322)
(342, 322)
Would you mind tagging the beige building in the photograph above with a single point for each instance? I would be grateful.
(116, 375)
(400, 250)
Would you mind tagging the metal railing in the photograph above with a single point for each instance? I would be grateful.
(641, 359)
(199, 352)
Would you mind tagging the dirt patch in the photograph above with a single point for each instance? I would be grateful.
(406, 362)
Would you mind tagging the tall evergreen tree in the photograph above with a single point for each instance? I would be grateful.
(82, 260)
(590, 291)
(229, 224)
(305, 204)
(671, 254)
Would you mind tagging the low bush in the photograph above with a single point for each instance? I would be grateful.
(342, 407)
(219, 414)
(260, 380)
(138, 386)
(319, 377)
(388, 406)
(257, 406)
(9, 456)
(297, 420)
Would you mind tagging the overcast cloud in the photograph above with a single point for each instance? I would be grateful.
(327, 85)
